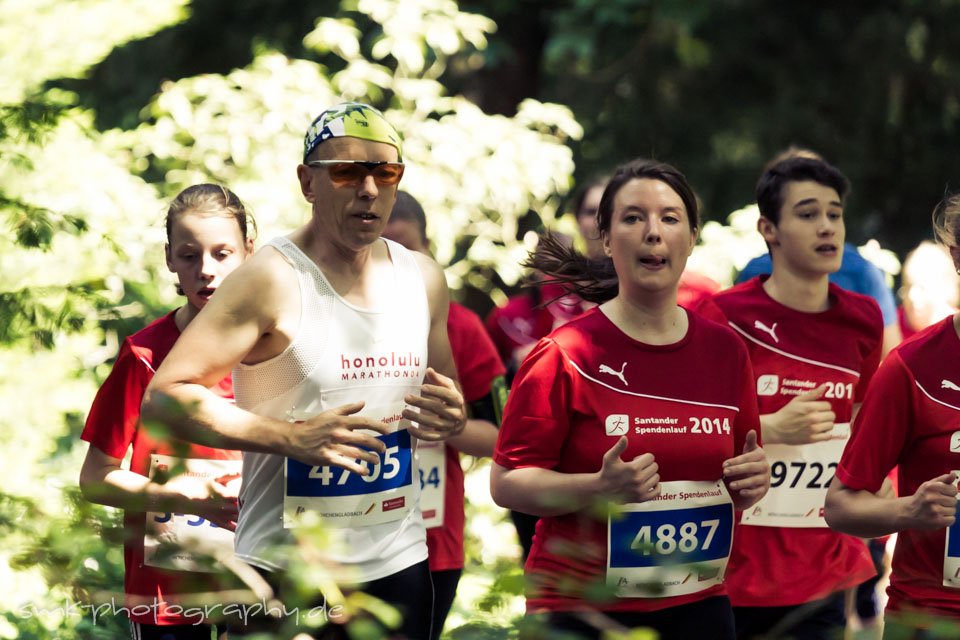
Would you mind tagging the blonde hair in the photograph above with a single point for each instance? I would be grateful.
(946, 221)
(214, 200)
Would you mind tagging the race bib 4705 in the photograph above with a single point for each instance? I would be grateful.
(347, 499)
(675, 545)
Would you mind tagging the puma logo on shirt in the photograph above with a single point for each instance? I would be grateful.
(947, 384)
(771, 330)
(605, 369)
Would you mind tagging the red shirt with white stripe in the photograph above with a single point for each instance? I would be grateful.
(793, 352)
(478, 365)
(559, 416)
(112, 426)
(911, 418)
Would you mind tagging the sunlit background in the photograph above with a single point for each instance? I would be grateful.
(109, 107)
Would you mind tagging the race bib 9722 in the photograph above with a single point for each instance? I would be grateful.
(799, 477)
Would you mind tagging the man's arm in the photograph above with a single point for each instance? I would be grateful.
(245, 321)
(442, 411)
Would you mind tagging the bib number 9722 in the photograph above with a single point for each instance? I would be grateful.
(800, 474)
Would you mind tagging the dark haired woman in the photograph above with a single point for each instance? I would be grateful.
(640, 404)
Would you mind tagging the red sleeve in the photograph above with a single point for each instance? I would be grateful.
(115, 413)
(476, 357)
(880, 429)
(871, 362)
(536, 418)
(749, 415)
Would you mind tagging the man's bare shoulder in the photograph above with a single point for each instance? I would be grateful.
(432, 272)
(435, 282)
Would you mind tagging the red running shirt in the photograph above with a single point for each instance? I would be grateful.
(112, 426)
(478, 365)
(558, 417)
(793, 352)
(911, 418)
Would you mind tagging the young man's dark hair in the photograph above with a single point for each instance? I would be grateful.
(773, 181)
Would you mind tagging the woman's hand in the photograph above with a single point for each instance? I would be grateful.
(747, 475)
(633, 481)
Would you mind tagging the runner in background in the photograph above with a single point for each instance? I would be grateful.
(528, 316)
(814, 348)
(929, 288)
(172, 489)
(911, 419)
(517, 326)
(585, 203)
(856, 273)
(481, 379)
(639, 403)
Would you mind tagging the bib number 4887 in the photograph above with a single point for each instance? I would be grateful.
(668, 538)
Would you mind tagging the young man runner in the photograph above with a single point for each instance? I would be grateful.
(338, 342)
(814, 348)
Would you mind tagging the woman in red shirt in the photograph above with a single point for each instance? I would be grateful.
(623, 429)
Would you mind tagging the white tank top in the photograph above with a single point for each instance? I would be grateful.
(340, 354)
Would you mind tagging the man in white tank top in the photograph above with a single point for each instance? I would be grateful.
(338, 345)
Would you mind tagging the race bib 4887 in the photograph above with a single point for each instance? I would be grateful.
(675, 545)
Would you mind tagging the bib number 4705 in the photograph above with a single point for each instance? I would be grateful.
(390, 469)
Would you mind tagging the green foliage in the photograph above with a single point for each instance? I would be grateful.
(71, 232)
(45, 39)
(718, 88)
(477, 175)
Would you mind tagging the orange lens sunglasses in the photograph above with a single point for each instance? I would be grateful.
(353, 172)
